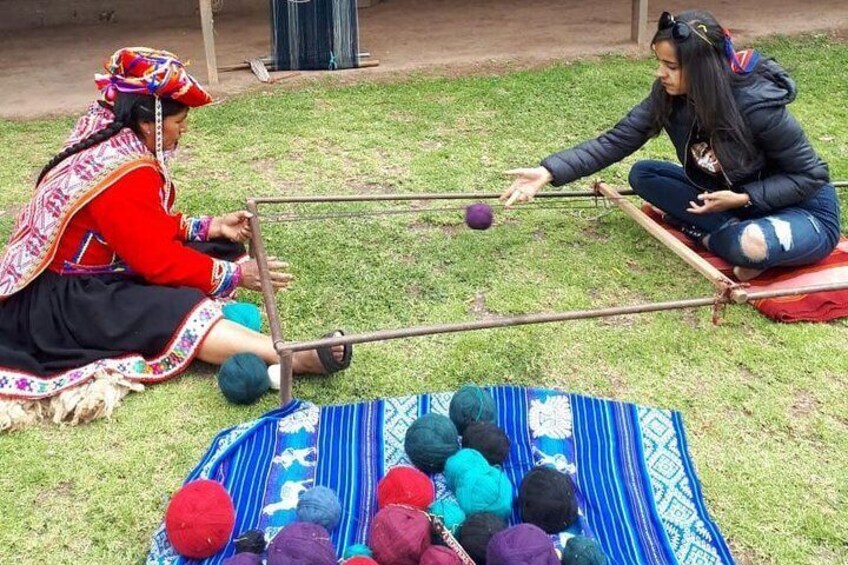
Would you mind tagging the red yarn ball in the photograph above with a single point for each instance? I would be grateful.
(399, 535)
(360, 560)
(199, 519)
(407, 486)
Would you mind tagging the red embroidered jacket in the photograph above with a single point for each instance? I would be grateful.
(127, 229)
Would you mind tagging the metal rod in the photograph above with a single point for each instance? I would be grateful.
(504, 322)
(258, 249)
(418, 196)
(719, 280)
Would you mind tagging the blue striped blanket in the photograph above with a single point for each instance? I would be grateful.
(637, 489)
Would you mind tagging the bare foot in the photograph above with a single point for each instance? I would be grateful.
(745, 273)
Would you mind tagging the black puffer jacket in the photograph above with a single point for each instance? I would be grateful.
(784, 171)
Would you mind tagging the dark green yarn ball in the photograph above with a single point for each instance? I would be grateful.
(243, 378)
(471, 404)
(581, 550)
(430, 440)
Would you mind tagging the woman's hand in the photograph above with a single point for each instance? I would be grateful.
(234, 226)
(719, 201)
(280, 277)
(526, 184)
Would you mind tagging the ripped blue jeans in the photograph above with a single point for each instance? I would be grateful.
(796, 235)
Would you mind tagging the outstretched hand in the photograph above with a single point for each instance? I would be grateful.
(234, 226)
(280, 277)
(526, 183)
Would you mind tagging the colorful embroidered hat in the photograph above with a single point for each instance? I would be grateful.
(141, 70)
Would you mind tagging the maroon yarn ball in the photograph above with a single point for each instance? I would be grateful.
(479, 216)
(440, 555)
(399, 535)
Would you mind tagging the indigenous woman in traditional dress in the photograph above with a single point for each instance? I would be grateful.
(751, 189)
(103, 287)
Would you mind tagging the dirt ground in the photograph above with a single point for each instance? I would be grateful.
(49, 71)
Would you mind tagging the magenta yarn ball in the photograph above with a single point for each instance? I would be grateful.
(479, 216)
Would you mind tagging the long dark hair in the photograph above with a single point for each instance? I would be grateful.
(710, 83)
(131, 110)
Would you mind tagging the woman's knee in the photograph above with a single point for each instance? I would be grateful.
(753, 244)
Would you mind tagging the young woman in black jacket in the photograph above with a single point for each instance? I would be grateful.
(751, 189)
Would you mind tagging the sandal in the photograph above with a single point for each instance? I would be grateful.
(325, 355)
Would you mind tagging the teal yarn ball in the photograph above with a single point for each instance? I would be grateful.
(581, 550)
(471, 404)
(430, 440)
(485, 490)
(463, 461)
(243, 378)
(319, 505)
(451, 515)
(357, 550)
(243, 313)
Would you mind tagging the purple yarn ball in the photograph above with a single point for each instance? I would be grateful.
(244, 558)
(302, 543)
(479, 216)
(524, 544)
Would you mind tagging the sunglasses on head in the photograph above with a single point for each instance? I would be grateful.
(680, 30)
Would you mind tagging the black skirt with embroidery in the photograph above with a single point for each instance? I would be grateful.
(60, 330)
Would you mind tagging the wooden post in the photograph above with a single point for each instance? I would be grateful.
(639, 22)
(209, 40)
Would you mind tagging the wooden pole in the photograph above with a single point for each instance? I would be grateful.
(257, 250)
(207, 26)
(639, 22)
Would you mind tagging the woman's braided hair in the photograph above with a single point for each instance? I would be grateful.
(130, 110)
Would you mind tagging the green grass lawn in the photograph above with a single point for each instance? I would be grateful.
(765, 405)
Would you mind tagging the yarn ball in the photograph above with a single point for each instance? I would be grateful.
(451, 515)
(243, 378)
(399, 535)
(475, 533)
(440, 555)
(405, 485)
(244, 558)
(488, 439)
(251, 541)
(546, 498)
(524, 544)
(581, 550)
(243, 313)
(479, 216)
(360, 560)
(357, 550)
(471, 404)
(430, 440)
(199, 519)
(485, 490)
(302, 543)
(319, 505)
(457, 465)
